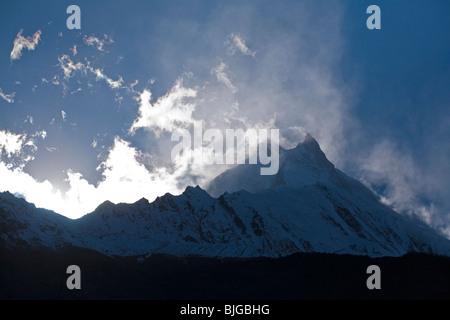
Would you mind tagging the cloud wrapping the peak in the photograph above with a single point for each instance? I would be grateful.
(20, 42)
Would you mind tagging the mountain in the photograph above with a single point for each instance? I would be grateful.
(308, 206)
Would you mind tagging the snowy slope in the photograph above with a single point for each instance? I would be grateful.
(21, 223)
(309, 206)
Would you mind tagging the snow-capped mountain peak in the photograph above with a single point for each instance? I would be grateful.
(303, 165)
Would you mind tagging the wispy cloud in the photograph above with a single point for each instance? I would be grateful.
(98, 43)
(134, 84)
(75, 91)
(69, 67)
(29, 119)
(20, 42)
(7, 97)
(222, 76)
(74, 50)
(236, 43)
(113, 84)
(404, 182)
(42, 134)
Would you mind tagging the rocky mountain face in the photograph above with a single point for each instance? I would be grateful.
(308, 206)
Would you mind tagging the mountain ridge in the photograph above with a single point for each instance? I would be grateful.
(308, 206)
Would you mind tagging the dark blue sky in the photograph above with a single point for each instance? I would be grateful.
(403, 68)
(376, 100)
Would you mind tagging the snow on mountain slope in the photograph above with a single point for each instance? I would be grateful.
(309, 206)
(21, 223)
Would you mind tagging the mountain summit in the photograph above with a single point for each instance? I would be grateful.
(308, 206)
(304, 165)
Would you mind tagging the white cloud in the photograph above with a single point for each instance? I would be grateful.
(127, 173)
(42, 134)
(11, 143)
(20, 42)
(236, 43)
(113, 84)
(98, 43)
(221, 75)
(16, 150)
(15, 180)
(7, 97)
(168, 112)
(55, 80)
(68, 67)
(125, 179)
(132, 85)
(74, 50)
(29, 119)
(75, 91)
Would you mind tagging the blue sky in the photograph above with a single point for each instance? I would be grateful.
(74, 123)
